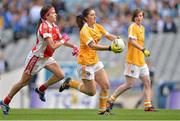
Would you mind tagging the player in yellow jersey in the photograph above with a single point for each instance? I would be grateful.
(135, 66)
(90, 69)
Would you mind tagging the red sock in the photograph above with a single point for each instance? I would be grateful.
(7, 100)
(42, 88)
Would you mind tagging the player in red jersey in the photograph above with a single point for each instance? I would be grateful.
(48, 40)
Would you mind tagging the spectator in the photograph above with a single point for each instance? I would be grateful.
(34, 13)
(7, 16)
(169, 25)
(4, 66)
(156, 23)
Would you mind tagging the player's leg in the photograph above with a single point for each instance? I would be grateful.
(144, 76)
(19, 85)
(122, 88)
(58, 75)
(148, 96)
(87, 86)
(102, 79)
(131, 73)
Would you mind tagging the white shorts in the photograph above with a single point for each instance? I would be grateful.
(88, 72)
(136, 71)
(34, 64)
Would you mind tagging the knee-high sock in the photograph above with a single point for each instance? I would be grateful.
(103, 100)
(43, 87)
(7, 100)
(147, 103)
(76, 85)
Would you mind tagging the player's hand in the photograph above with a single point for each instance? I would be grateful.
(115, 48)
(75, 51)
(65, 38)
(146, 52)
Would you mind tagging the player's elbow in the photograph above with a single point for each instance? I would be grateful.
(92, 45)
(53, 47)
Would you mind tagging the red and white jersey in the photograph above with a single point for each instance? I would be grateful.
(41, 49)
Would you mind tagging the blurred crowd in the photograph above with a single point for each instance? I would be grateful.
(22, 16)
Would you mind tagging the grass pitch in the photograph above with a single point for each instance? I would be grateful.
(89, 114)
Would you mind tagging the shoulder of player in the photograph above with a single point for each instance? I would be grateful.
(132, 25)
(84, 29)
(44, 25)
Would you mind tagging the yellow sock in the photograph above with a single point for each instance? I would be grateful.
(147, 103)
(75, 84)
(102, 101)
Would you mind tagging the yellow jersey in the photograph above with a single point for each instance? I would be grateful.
(134, 55)
(88, 56)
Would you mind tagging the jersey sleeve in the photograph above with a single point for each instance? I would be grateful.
(86, 36)
(45, 31)
(132, 32)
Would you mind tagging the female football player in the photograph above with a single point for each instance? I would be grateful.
(90, 68)
(48, 40)
(135, 66)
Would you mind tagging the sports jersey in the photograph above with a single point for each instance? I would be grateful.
(41, 49)
(88, 56)
(134, 55)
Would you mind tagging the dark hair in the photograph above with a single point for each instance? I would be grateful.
(43, 12)
(80, 19)
(136, 12)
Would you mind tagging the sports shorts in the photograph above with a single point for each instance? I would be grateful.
(136, 71)
(34, 64)
(88, 71)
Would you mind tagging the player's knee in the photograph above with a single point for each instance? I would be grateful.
(92, 93)
(105, 87)
(60, 76)
(129, 85)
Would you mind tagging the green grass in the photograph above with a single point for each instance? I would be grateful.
(89, 114)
